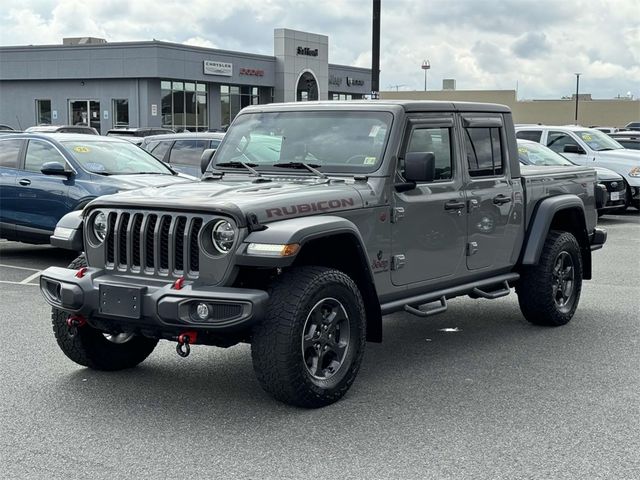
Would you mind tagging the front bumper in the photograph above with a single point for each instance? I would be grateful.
(598, 238)
(148, 304)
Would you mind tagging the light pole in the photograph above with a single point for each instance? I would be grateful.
(577, 93)
(425, 66)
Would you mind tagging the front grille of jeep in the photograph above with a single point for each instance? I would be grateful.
(153, 243)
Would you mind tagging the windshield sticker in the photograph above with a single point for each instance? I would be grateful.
(369, 160)
(81, 149)
(374, 130)
(522, 150)
(94, 167)
(587, 137)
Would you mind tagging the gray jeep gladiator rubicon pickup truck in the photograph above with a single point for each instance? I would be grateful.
(312, 221)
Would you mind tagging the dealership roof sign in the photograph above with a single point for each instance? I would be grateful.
(218, 68)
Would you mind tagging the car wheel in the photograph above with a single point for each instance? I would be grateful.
(308, 349)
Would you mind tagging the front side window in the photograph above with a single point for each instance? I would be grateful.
(9, 152)
(484, 151)
(114, 158)
(437, 141)
(39, 153)
(335, 141)
(187, 152)
(43, 112)
(556, 141)
(533, 135)
(159, 149)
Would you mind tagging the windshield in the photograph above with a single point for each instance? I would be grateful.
(598, 141)
(336, 141)
(536, 154)
(114, 158)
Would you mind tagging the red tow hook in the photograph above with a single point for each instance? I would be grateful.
(81, 271)
(74, 322)
(184, 340)
(178, 284)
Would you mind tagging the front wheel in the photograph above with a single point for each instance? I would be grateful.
(548, 293)
(92, 348)
(308, 349)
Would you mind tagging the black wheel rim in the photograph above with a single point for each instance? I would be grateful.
(325, 339)
(563, 281)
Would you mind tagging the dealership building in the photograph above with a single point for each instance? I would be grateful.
(161, 84)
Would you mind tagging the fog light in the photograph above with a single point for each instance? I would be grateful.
(202, 310)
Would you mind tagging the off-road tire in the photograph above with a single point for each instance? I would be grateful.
(277, 342)
(536, 286)
(89, 347)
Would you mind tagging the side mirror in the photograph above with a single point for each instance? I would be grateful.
(574, 149)
(205, 159)
(55, 168)
(420, 166)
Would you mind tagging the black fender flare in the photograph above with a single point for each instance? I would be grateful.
(540, 224)
(68, 232)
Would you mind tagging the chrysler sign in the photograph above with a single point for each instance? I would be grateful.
(218, 68)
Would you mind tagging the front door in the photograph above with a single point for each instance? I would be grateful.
(429, 230)
(492, 230)
(85, 112)
(557, 141)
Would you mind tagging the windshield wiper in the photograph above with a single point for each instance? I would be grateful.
(238, 164)
(106, 174)
(308, 166)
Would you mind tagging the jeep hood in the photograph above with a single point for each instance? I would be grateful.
(269, 201)
(129, 182)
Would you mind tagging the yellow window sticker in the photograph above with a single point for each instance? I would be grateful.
(587, 137)
(369, 160)
(522, 150)
(81, 149)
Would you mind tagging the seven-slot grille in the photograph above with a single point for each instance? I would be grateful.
(153, 243)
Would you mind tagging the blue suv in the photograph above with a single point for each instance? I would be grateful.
(45, 176)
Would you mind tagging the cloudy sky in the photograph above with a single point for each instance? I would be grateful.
(536, 45)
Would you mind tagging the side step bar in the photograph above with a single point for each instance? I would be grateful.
(474, 289)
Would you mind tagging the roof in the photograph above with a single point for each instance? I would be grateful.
(185, 136)
(570, 128)
(65, 137)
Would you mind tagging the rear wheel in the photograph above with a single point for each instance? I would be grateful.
(308, 349)
(92, 348)
(548, 293)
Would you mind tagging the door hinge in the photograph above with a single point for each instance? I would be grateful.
(397, 262)
(396, 214)
(472, 248)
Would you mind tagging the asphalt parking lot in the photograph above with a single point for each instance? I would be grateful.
(474, 393)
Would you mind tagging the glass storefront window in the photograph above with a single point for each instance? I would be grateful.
(184, 106)
(43, 112)
(234, 98)
(120, 112)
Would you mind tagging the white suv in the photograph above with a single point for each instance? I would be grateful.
(592, 148)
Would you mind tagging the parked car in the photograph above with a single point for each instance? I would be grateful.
(85, 129)
(45, 176)
(592, 148)
(135, 135)
(632, 126)
(606, 130)
(532, 153)
(363, 209)
(182, 150)
(627, 138)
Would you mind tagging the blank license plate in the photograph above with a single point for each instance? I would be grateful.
(615, 196)
(120, 301)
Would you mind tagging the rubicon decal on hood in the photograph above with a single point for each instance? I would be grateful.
(321, 206)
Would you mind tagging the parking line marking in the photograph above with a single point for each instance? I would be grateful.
(18, 283)
(31, 277)
(19, 268)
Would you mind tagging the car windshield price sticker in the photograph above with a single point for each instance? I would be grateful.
(81, 149)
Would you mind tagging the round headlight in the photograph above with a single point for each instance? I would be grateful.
(223, 235)
(100, 226)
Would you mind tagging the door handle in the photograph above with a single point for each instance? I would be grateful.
(454, 205)
(500, 199)
(24, 181)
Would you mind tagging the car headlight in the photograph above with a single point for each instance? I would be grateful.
(223, 236)
(100, 226)
(635, 172)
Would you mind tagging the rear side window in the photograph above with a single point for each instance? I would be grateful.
(9, 152)
(556, 141)
(187, 152)
(39, 153)
(159, 149)
(533, 135)
(484, 151)
(436, 140)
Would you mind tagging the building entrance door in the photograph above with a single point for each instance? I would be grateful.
(85, 112)
(307, 88)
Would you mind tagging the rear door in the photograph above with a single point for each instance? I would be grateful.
(429, 230)
(489, 192)
(10, 150)
(43, 198)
